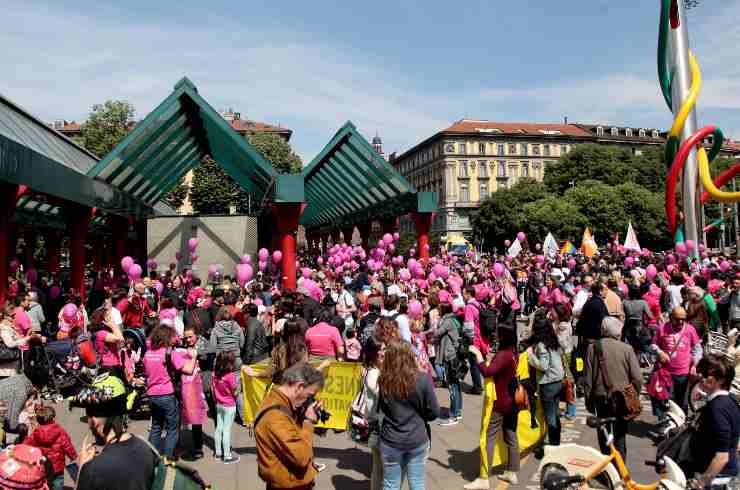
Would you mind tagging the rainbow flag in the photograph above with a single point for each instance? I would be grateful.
(568, 248)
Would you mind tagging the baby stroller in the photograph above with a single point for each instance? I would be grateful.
(132, 355)
(68, 364)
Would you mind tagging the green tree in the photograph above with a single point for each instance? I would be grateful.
(552, 214)
(212, 190)
(498, 216)
(277, 151)
(649, 169)
(176, 197)
(607, 164)
(106, 126)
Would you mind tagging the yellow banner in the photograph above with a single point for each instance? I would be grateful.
(343, 382)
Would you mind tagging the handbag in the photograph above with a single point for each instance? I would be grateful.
(661, 381)
(567, 392)
(623, 401)
(521, 398)
(8, 354)
(359, 427)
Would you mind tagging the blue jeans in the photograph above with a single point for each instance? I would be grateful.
(456, 399)
(58, 482)
(550, 396)
(397, 463)
(475, 375)
(165, 415)
(222, 435)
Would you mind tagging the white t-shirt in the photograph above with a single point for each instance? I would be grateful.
(675, 291)
(115, 315)
(344, 301)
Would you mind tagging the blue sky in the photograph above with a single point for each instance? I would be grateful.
(405, 69)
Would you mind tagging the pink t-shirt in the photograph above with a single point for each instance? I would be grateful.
(323, 340)
(223, 390)
(666, 338)
(22, 324)
(158, 380)
(108, 351)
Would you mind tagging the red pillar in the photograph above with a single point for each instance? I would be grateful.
(79, 220)
(51, 242)
(364, 229)
(423, 222)
(9, 194)
(286, 217)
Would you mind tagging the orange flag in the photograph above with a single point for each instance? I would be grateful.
(588, 245)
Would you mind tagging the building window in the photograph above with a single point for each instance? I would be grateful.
(535, 149)
(500, 150)
(482, 169)
(462, 148)
(641, 133)
(450, 148)
(524, 149)
(546, 150)
(502, 169)
(463, 169)
(483, 191)
(464, 193)
(563, 149)
(512, 149)
(482, 148)
(525, 169)
(599, 131)
(628, 132)
(615, 131)
(655, 133)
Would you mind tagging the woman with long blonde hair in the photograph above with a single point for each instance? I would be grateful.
(408, 403)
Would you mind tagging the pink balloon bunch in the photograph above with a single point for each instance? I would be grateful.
(404, 274)
(415, 309)
(243, 273)
(498, 269)
(134, 272)
(126, 263)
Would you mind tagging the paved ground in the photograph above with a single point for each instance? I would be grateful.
(453, 460)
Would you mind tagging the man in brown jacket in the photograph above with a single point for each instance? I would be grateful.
(623, 368)
(284, 430)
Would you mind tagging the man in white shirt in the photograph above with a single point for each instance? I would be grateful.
(674, 291)
(344, 301)
(582, 296)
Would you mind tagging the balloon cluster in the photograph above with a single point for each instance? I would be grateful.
(131, 268)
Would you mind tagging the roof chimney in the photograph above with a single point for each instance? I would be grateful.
(566, 119)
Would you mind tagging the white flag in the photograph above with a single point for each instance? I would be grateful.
(550, 247)
(630, 241)
(515, 248)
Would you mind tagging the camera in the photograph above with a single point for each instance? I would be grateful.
(321, 414)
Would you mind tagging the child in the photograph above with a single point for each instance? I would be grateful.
(54, 443)
(352, 346)
(224, 386)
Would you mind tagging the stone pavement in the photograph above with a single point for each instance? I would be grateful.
(453, 460)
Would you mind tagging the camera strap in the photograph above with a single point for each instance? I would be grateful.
(282, 408)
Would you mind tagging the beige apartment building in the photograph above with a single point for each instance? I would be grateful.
(472, 159)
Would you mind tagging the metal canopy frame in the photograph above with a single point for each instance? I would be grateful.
(172, 140)
(349, 182)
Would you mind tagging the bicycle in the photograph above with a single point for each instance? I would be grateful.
(572, 466)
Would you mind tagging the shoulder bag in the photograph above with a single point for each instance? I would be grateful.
(623, 401)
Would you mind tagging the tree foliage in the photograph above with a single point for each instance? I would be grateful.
(277, 151)
(552, 214)
(212, 191)
(106, 126)
(177, 196)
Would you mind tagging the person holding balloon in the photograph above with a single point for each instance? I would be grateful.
(138, 307)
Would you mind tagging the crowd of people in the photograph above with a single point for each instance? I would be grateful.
(180, 344)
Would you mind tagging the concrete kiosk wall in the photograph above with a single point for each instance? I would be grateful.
(221, 240)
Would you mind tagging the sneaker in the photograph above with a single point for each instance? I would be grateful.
(478, 484)
(458, 418)
(509, 477)
(319, 467)
(218, 456)
(449, 421)
(234, 458)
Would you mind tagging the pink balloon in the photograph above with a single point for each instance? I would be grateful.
(538, 246)
(320, 261)
(650, 272)
(690, 245)
(671, 259)
(426, 247)
(540, 259)
(211, 269)
(151, 264)
(507, 243)
(134, 272)
(277, 256)
(381, 244)
(415, 309)
(306, 272)
(388, 238)
(246, 259)
(396, 236)
(681, 248)
(126, 263)
(628, 261)
(243, 273)
(571, 263)
(69, 312)
(724, 266)
(412, 252)
(263, 254)
(670, 268)
(498, 269)
(521, 236)
(193, 244)
(391, 248)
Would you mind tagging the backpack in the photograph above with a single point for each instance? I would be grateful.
(487, 321)
(174, 374)
(170, 475)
